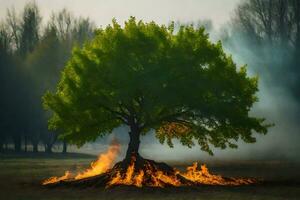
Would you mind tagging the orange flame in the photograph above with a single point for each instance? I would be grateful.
(203, 176)
(55, 179)
(149, 174)
(161, 179)
(156, 178)
(101, 165)
(130, 178)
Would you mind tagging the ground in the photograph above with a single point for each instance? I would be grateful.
(20, 179)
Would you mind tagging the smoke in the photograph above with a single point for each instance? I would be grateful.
(276, 102)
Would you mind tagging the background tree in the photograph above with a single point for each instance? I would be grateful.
(29, 28)
(31, 58)
(46, 61)
(268, 28)
(148, 77)
(5, 61)
(24, 34)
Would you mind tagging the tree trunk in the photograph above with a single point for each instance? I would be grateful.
(1, 146)
(35, 139)
(134, 143)
(25, 143)
(17, 143)
(296, 61)
(35, 147)
(64, 146)
(2, 142)
(48, 148)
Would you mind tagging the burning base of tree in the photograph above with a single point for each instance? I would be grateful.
(141, 172)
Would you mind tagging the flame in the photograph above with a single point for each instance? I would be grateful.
(139, 179)
(55, 179)
(160, 179)
(130, 178)
(147, 173)
(157, 178)
(203, 176)
(101, 165)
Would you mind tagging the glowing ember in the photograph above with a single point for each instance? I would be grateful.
(101, 165)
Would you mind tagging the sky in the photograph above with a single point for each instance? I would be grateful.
(160, 11)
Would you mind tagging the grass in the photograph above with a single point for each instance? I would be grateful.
(20, 179)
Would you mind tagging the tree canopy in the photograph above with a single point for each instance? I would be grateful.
(152, 77)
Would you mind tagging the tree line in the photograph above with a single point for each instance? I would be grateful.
(32, 55)
(266, 34)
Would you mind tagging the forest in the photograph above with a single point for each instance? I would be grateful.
(31, 58)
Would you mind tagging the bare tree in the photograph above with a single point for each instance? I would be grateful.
(13, 23)
(274, 26)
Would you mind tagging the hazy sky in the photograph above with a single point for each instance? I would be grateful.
(161, 11)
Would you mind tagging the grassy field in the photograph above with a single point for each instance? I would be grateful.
(20, 180)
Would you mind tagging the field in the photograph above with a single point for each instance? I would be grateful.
(20, 180)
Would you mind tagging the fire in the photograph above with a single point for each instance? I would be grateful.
(160, 179)
(157, 178)
(101, 165)
(55, 179)
(130, 178)
(148, 177)
(142, 172)
(203, 176)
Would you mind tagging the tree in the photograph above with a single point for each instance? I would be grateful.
(149, 78)
(24, 36)
(5, 60)
(13, 27)
(14, 87)
(274, 26)
(29, 27)
(45, 62)
(31, 59)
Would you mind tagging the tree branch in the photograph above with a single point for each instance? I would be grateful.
(119, 115)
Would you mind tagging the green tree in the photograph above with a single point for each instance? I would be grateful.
(149, 77)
